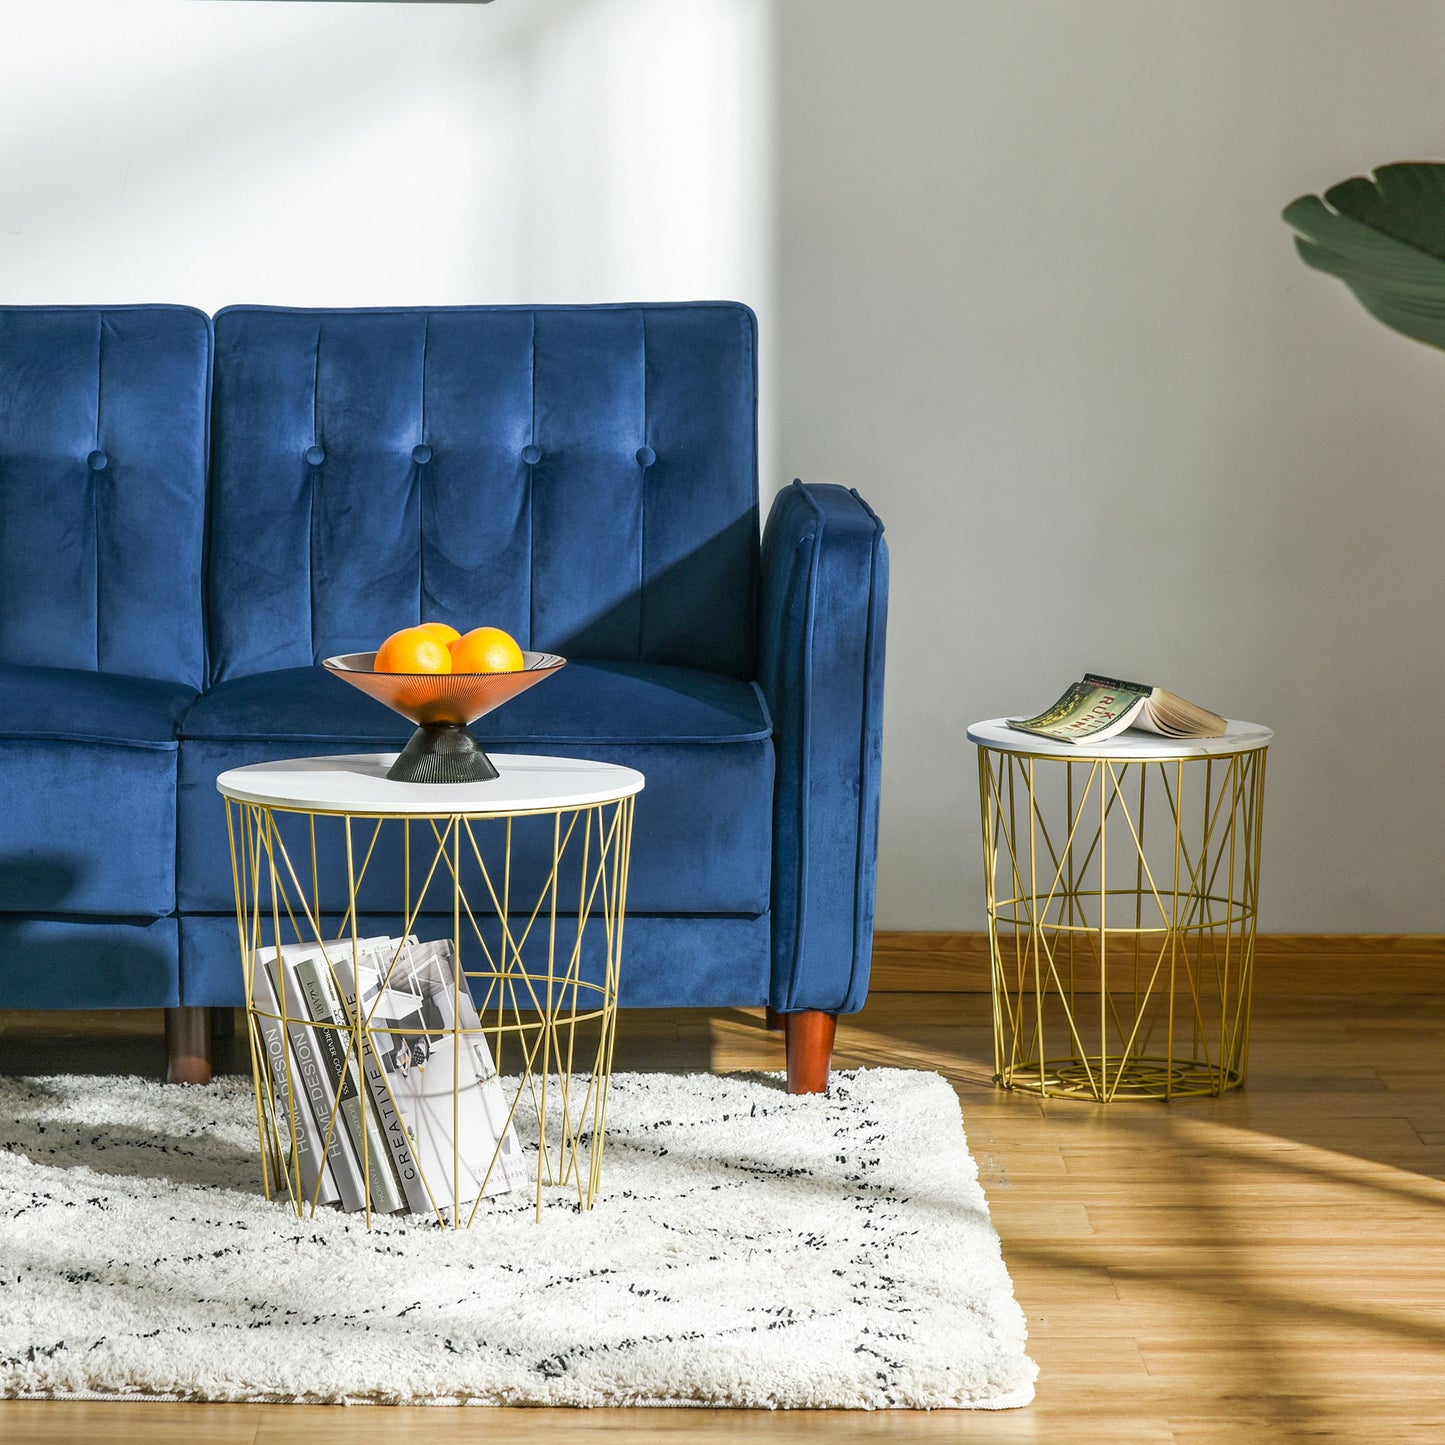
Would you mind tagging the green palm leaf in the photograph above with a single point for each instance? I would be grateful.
(1384, 237)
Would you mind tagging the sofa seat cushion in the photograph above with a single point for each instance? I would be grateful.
(88, 775)
(586, 702)
(90, 962)
(668, 961)
(61, 703)
(703, 830)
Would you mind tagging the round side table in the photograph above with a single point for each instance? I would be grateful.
(535, 947)
(1122, 881)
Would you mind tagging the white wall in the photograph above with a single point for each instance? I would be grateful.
(1036, 301)
(383, 154)
(339, 154)
(1026, 288)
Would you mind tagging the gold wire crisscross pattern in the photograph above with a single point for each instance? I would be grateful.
(1122, 901)
(542, 969)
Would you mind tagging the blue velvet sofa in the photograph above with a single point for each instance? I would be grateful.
(194, 512)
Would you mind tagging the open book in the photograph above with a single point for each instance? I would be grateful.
(436, 1089)
(1098, 707)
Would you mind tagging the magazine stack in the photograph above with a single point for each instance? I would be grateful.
(405, 1109)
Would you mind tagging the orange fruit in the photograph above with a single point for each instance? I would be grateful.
(444, 632)
(413, 649)
(487, 649)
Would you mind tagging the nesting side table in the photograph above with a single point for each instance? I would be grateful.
(1122, 882)
(542, 966)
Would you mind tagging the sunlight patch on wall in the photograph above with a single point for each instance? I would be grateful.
(339, 154)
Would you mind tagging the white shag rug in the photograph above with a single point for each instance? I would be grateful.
(747, 1248)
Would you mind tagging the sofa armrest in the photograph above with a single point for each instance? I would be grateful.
(821, 643)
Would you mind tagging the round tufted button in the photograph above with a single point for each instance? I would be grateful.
(421, 454)
(531, 455)
(314, 456)
(97, 461)
(646, 456)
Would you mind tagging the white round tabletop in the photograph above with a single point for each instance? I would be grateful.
(356, 784)
(1133, 744)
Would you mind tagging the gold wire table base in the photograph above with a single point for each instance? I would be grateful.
(542, 970)
(1122, 898)
(1138, 1078)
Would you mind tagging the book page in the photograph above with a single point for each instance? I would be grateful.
(428, 1061)
(1172, 716)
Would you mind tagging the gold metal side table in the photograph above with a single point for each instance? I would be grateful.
(1122, 883)
(526, 874)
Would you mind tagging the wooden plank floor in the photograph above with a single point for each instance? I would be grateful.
(1269, 1266)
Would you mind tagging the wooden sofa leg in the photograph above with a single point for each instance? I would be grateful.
(810, 1050)
(188, 1045)
(775, 1020)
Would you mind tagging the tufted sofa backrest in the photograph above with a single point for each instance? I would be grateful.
(585, 477)
(103, 426)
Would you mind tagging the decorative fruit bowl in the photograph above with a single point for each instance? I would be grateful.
(442, 749)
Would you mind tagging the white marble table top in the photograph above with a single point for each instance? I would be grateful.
(356, 784)
(1133, 744)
